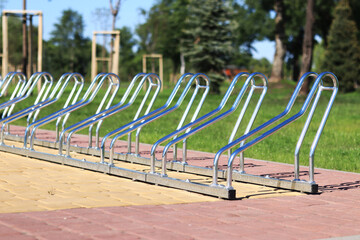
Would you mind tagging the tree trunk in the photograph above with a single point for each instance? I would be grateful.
(114, 11)
(182, 66)
(24, 48)
(280, 48)
(307, 48)
(295, 67)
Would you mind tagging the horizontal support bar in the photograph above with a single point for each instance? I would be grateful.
(102, 59)
(22, 12)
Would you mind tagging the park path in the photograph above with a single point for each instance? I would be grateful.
(41, 200)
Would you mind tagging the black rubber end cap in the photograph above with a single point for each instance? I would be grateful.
(314, 188)
(232, 194)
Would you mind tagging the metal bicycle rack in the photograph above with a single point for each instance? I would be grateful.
(63, 114)
(56, 92)
(18, 93)
(188, 131)
(310, 185)
(99, 117)
(161, 171)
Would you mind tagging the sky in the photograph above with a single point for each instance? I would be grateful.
(129, 15)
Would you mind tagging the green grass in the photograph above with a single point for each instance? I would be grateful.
(339, 146)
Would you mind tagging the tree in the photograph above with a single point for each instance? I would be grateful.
(308, 43)
(163, 30)
(114, 11)
(247, 30)
(68, 50)
(15, 41)
(101, 17)
(129, 64)
(342, 53)
(289, 32)
(280, 47)
(208, 43)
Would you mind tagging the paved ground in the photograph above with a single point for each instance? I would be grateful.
(96, 206)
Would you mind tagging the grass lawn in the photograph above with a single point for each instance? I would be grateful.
(339, 146)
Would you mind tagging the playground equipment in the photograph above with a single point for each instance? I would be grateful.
(176, 173)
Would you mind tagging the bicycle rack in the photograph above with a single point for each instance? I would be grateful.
(151, 117)
(189, 132)
(183, 131)
(5, 82)
(26, 90)
(17, 93)
(297, 184)
(140, 121)
(89, 95)
(99, 117)
(58, 90)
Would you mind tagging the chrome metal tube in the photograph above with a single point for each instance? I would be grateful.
(223, 115)
(88, 97)
(151, 119)
(147, 116)
(116, 108)
(317, 84)
(202, 118)
(334, 89)
(261, 127)
(90, 120)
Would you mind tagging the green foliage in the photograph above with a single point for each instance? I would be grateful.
(129, 64)
(246, 27)
(318, 57)
(15, 41)
(342, 56)
(162, 32)
(261, 65)
(208, 41)
(68, 50)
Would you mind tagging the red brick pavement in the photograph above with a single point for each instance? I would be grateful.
(300, 217)
(333, 213)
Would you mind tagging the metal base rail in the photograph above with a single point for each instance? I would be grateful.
(300, 186)
(217, 191)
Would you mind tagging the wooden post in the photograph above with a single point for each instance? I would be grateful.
(161, 73)
(30, 63)
(153, 56)
(40, 43)
(144, 64)
(115, 60)
(93, 58)
(5, 57)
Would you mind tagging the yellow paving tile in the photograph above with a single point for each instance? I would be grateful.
(39, 185)
(33, 185)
